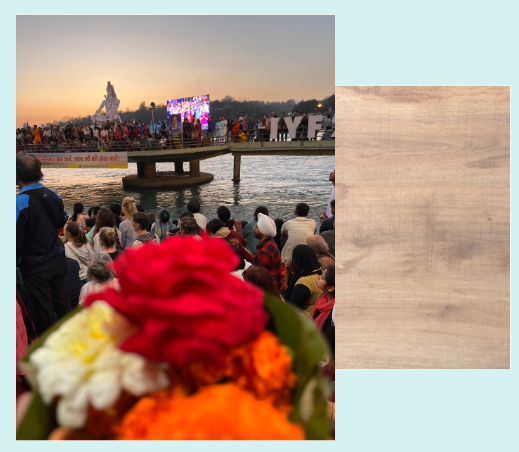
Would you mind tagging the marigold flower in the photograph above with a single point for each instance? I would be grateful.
(80, 364)
(264, 368)
(216, 412)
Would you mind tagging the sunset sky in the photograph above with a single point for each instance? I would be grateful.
(64, 62)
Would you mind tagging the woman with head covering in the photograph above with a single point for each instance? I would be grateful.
(323, 311)
(303, 272)
(224, 214)
(320, 247)
(216, 228)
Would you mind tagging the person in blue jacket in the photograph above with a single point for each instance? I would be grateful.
(40, 255)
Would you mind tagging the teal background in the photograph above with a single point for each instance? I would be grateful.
(377, 43)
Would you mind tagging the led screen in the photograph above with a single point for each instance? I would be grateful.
(196, 107)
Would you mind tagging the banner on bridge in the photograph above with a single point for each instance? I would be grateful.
(83, 160)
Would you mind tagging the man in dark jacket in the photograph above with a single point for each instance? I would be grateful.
(74, 284)
(39, 253)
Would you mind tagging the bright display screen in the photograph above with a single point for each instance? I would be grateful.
(192, 108)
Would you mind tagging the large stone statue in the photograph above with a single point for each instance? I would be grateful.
(110, 104)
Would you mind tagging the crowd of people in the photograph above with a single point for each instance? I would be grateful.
(141, 135)
(63, 258)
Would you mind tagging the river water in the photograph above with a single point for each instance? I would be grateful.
(278, 182)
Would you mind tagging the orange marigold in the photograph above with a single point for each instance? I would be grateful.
(264, 368)
(216, 412)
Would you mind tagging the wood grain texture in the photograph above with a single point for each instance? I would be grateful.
(423, 232)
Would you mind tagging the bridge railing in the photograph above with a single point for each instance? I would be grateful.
(175, 141)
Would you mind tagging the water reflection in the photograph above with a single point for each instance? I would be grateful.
(279, 182)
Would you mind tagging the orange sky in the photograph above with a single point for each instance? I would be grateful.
(64, 62)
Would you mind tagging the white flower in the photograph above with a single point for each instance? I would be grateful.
(81, 364)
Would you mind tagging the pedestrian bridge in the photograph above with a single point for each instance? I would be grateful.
(147, 159)
(147, 153)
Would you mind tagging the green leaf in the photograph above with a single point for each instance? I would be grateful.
(38, 421)
(296, 330)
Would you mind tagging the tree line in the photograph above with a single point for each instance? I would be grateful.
(228, 106)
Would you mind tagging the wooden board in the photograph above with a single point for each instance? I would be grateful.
(423, 232)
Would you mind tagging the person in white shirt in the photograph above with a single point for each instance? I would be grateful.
(332, 195)
(298, 230)
(194, 208)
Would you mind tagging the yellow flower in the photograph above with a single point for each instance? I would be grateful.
(81, 364)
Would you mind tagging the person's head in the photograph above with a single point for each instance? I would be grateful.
(224, 214)
(75, 234)
(302, 209)
(186, 214)
(214, 226)
(28, 170)
(265, 116)
(129, 207)
(116, 208)
(260, 209)
(105, 218)
(140, 208)
(193, 206)
(279, 224)
(318, 245)
(89, 224)
(98, 270)
(264, 228)
(261, 278)
(78, 208)
(164, 216)
(109, 238)
(152, 217)
(332, 206)
(328, 116)
(244, 223)
(188, 226)
(139, 221)
(326, 281)
(332, 177)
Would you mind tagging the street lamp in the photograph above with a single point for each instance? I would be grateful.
(152, 107)
(319, 105)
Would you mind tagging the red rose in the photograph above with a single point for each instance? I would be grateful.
(187, 305)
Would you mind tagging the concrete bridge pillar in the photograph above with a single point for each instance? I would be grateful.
(146, 170)
(237, 167)
(194, 168)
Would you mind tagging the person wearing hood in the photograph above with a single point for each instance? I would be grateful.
(267, 253)
(139, 223)
(77, 248)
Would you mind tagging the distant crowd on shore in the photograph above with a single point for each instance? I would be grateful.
(141, 134)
